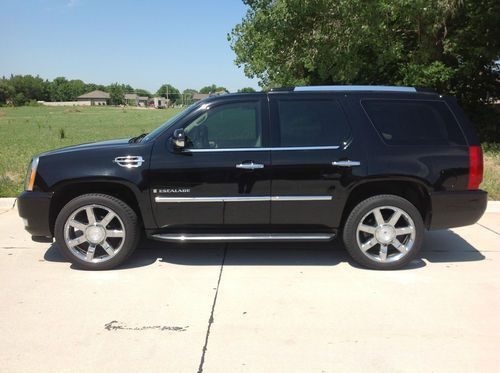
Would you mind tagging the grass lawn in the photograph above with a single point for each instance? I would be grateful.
(26, 131)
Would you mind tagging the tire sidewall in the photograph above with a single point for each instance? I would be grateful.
(350, 230)
(126, 214)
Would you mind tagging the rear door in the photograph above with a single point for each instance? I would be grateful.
(315, 158)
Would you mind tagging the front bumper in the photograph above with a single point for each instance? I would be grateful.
(34, 209)
(456, 209)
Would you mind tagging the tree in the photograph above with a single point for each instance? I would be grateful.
(28, 88)
(172, 92)
(66, 90)
(212, 89)
(246, 90)
(143, 92)
(188, 95)
(6, 91)
(116, 94)
(449, 45)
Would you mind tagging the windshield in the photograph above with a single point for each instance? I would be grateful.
(171, 121)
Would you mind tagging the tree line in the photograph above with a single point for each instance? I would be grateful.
(452, 46)
(21, 90)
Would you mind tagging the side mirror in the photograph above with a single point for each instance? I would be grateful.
(179, 138)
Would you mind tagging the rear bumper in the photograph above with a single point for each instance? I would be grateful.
(456, 209)
(34, 209)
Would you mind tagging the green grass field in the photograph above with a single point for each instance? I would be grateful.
(26, 131)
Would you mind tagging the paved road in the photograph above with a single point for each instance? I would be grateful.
(252, 308)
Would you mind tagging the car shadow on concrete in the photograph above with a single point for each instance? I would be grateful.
(439, 247)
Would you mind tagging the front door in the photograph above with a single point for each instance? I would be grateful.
(315, 158)
(222, 176)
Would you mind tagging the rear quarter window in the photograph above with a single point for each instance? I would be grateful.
(414, 122)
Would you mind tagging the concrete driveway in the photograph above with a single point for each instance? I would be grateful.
(252, 308)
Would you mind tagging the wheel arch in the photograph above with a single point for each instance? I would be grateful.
(121, 189)
(412, 189)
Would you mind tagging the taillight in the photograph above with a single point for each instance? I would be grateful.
(475, 167)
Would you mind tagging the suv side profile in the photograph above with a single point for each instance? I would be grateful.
(376, 165)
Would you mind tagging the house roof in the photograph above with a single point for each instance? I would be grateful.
(95, 94)
(130, 96)
(200, 96)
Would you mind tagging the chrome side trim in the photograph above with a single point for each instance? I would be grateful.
(347, 88)
(346, 163)
(242, 199)
(242, 237)
(301, 198)
(129, 161)
(284, 148)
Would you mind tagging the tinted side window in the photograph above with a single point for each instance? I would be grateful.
(413, 122)
(312, 123)
(236, 125)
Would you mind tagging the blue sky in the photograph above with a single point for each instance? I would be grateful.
(143, 43)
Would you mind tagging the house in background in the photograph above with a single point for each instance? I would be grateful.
(95, 97)
(200, 96)
(135, 100)
(160, 102)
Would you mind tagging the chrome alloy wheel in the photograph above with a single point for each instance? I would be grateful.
(386, 234)
(94, 233)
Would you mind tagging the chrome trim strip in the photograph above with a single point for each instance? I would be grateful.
(347, 88)
(242, 199)
(301, 198)
(212, 199)
(284, 148)
(239, 237)
(347, 163)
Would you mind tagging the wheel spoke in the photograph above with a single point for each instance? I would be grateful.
(378, 216)
(383, 253)
(404, 230)
(367, 228)
(90, 215)
(394, 218)
(107, 219)
(114, 233)
(77, 225)
(77, 241)
(399, 246)
(369, 244)
(90, 253)
(109, 250)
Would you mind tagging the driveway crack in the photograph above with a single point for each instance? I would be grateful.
(211, 319)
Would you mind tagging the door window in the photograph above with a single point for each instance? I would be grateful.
(312, 123)
(236, 125)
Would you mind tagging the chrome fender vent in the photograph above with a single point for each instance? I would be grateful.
(130, 161)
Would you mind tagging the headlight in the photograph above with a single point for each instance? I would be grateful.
(30, 175)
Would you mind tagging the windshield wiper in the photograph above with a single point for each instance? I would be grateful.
(137, 138)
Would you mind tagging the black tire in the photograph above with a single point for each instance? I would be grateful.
(125, 213)
(361, 211)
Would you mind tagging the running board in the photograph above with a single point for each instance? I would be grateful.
(243, 237)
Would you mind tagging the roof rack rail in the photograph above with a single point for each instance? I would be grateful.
(346, 88)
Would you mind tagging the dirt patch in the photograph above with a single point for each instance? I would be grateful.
(73, 110)
(2, 114)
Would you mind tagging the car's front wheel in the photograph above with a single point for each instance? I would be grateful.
(96, 231)
(384, 232)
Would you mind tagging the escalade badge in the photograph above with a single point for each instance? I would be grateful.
(172, 190)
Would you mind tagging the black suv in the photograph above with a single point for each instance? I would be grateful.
(377, 165)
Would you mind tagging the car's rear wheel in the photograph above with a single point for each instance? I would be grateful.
(96, 231)
(384, 232)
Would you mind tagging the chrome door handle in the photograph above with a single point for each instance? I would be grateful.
(346, 163)
(250, 166)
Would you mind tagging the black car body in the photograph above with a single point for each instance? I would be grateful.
(288, 164)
